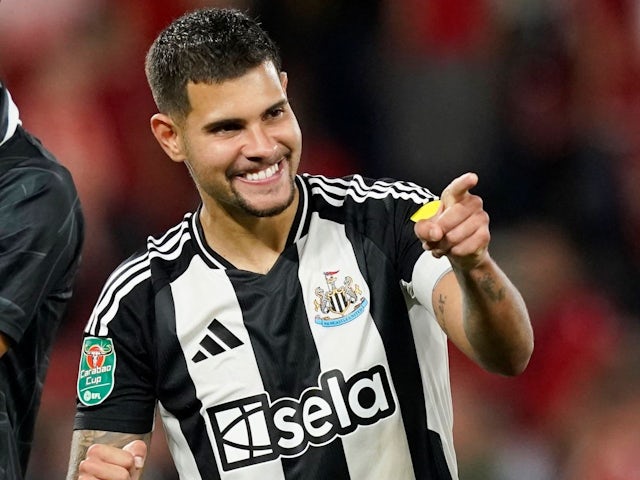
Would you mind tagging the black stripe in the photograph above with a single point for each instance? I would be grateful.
(181, 400)
(286, 354)
(223, 334)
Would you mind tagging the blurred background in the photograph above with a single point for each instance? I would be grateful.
(541, 98)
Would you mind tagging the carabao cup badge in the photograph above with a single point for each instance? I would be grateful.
(96, 371)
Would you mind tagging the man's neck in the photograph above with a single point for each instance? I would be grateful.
(253, 243)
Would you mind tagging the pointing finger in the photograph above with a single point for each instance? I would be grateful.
(458, 188)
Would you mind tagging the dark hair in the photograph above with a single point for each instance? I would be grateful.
(206, 45)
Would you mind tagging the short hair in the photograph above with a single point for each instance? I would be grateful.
(207, 45)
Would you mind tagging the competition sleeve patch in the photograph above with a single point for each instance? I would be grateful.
(426, 211)
(96, 371)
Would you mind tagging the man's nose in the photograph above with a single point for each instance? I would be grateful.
(259, 143)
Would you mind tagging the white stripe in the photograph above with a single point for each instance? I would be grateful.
(121, 293)
(304, 198)
(171, 255)
(360, 192)
(378, 185)
(14, 118)
(431, 347)
(178, 445)
(119, 277)
(118, 274)
(126, 277)
(170, 236)
(380, 450)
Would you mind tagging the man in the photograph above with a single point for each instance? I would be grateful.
(41, 234)
(294, 325)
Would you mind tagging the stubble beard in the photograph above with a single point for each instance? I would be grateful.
(268, 212)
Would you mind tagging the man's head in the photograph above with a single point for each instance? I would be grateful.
(204, 46)
(224, 112)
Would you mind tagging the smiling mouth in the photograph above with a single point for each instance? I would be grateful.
(263, 174)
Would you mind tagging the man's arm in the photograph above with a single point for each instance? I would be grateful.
(477, 306)
(101, 455)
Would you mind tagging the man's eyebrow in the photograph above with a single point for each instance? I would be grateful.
(223, 123)
(235, 122)
(278, 104)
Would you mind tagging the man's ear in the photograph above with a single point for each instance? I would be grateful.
(167, 134)
(284, 80)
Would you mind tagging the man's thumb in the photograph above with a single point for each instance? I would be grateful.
(138, 449)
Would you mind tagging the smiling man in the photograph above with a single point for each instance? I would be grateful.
(293, 326)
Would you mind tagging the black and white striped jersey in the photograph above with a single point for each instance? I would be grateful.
(330, 366)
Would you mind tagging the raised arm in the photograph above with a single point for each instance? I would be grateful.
(478, 307)
(100, 455)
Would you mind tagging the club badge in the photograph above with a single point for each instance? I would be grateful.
(338, 304)
(96, 371)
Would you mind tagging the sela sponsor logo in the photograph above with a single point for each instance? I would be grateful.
(338, 304)
(97, 367)
(253, 430)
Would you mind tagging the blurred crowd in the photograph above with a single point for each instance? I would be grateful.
(541, 98)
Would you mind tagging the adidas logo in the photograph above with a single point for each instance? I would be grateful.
(219, 339)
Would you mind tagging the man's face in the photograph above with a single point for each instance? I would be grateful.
(242, 143)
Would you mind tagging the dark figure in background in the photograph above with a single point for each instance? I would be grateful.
(41, 235)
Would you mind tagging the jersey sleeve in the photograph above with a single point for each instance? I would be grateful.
(41, 232)
(407, 248)
(116, 373)
(382, 211)
(419, 268)
(426, 273)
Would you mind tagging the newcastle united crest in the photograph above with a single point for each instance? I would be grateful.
(338, 304)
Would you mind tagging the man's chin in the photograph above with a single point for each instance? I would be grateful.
(267, 205)
(267, 210)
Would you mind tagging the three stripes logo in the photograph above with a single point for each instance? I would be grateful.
(217, 340)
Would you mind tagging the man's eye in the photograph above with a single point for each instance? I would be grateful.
(221, 129)
(276, 112)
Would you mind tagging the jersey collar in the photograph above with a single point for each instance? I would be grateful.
(298, 228)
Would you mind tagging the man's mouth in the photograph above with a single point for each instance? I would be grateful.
(263, 174)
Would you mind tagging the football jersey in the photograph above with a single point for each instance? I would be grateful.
(329, 366)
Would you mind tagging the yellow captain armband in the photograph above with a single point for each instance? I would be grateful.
(428, 210)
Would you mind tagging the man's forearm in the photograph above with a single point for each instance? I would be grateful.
(495, 319)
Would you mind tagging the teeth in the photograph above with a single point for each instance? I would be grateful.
(263, 174)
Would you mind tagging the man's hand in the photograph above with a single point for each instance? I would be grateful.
(460, 227)
(105, 462)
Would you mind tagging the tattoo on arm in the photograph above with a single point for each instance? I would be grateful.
(442, 299)
(488, 286)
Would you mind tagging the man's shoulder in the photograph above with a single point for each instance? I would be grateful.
(24, 157)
